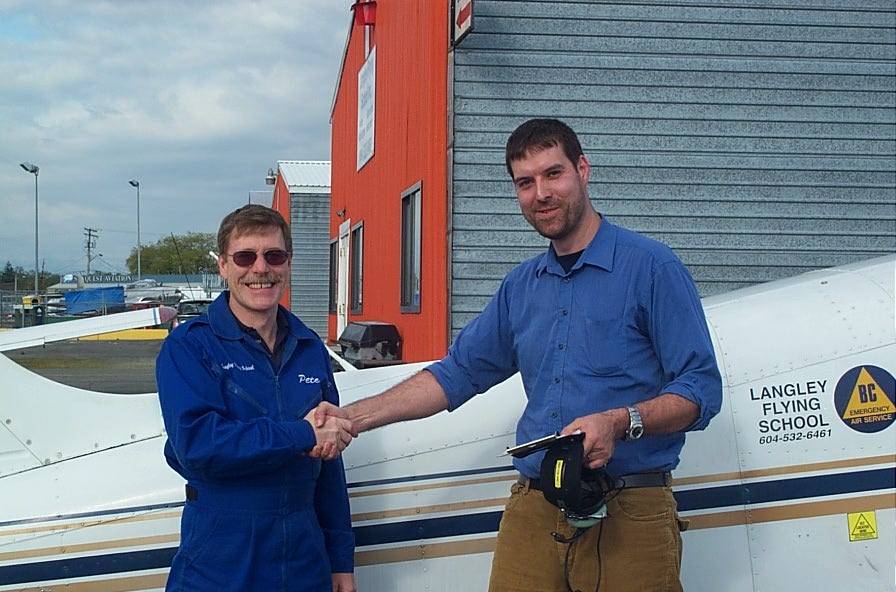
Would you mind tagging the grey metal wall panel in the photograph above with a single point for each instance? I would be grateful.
(310, 215)
(755, 139)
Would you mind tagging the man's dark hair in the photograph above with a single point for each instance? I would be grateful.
(252, 218)
(539, 134)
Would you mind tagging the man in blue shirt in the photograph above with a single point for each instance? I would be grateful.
(267, 505)
(607, 331)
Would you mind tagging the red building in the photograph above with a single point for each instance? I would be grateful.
(388, 189)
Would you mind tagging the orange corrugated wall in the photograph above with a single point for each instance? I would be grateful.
(411, 40)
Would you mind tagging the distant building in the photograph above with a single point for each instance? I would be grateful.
(302, 195)
(159, 287)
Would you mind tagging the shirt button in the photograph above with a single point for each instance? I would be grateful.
(566, 280)
(565, 312)
(554, 415)
(557, 380)
(559, 346)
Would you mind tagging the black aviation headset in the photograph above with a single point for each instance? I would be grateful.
(580, 492)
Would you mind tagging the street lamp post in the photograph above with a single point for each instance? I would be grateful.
(34, 169)
(136, 184)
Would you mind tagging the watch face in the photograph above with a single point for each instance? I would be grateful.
(635, 432)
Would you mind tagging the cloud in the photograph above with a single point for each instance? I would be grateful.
(194, 99)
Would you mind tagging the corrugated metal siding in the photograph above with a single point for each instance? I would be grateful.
(310, 222)
(755, 139)
(309, 198)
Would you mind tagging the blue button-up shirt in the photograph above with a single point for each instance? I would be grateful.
(623, 326)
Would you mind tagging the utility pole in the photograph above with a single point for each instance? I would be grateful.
(90, 233)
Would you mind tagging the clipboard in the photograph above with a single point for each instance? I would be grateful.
(527, 448)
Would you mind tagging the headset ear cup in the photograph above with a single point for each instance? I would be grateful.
(567, 484)
(596, 483)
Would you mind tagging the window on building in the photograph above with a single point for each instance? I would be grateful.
(410, 249)
(334, 262)
(356, 254)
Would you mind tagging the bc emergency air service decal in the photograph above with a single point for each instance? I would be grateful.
(864, 399)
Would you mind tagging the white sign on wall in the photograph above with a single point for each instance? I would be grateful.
(366, 108)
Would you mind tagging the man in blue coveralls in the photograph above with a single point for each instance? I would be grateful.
(267, 506)
(607, 332)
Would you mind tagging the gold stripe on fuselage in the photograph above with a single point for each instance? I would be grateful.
(117, 545)
(849, 463)
(427, 486)
(433, 509)
(778, 513)
(425, 551)
(75, 524)
(125, 584)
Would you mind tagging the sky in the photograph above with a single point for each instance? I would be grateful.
(196, 100)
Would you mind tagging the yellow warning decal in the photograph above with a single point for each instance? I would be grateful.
(868, 400)
(862, 526)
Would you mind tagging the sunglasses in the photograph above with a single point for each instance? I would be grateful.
(247, 258)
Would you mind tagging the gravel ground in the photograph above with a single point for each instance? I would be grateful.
(109, 366)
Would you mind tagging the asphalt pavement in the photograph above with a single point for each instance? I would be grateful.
(109, 366)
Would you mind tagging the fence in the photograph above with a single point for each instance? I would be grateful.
(16, 309)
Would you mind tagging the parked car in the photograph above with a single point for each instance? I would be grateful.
(188, 309)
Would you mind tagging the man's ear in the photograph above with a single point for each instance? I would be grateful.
(583, 167)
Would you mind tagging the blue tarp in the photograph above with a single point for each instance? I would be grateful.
(99, 300)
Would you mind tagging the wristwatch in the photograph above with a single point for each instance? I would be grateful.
(635, 425)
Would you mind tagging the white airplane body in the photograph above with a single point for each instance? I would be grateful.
(792, 487)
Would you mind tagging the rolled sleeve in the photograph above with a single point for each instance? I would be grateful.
(481, 356)
(682, 342)
(458, 388)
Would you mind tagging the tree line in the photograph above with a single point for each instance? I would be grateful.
(187, 253)
(18, 278)
(173, 254)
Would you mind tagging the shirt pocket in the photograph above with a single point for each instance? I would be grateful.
(606, 350)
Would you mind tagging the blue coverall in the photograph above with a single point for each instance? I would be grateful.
(265, 515)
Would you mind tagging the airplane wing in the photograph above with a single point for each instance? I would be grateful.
(41, 334)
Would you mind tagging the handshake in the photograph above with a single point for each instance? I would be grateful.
(333, 430)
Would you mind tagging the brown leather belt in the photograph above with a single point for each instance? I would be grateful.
(655, 479)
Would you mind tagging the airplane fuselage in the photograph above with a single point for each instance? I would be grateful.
(792, 487)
